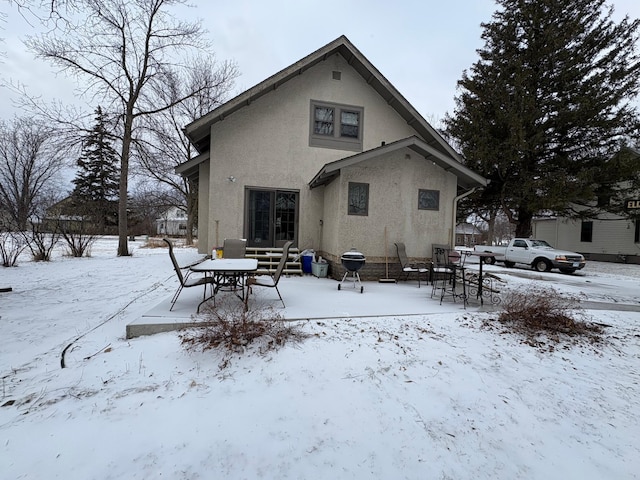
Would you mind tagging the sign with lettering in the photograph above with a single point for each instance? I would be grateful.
(632, 204)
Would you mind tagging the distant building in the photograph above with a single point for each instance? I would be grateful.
(606, 238)
(609, 238)
(468, 235)
(173, 222)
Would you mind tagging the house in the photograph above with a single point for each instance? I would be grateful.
(468, 235)
(607, 237)
(328, 154)
(172, 222)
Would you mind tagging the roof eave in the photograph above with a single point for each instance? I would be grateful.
(467, 179)
(199, 131)
(191, 168)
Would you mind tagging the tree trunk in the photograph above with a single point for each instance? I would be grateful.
(123, 245)
(523, 227)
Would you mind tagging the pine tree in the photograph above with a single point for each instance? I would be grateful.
(97, 180)
(549, 101)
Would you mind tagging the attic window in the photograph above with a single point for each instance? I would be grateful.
(337, 75)
(336, 126)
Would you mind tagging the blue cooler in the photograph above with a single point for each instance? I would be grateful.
(306, 263)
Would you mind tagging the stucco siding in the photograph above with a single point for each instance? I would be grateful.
(393, 202)
(266, 144)
(204, 233)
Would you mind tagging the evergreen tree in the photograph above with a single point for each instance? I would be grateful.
(97, 180)
(546, 106)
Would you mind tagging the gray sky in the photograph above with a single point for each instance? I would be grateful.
(420, 46)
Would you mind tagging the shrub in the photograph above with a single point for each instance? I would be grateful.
(154, 242)
(542, 313)
(229, 329)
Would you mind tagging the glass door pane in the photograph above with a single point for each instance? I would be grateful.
(285, 215)
(259, 219)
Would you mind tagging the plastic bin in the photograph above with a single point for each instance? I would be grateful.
(319, 269)
(307, 260)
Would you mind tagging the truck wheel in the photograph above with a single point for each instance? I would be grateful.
(542, 265)
(509, 264)
(489, 260)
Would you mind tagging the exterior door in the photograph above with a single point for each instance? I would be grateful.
(271, 217)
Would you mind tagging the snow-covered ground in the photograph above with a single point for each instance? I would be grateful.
(417, 396)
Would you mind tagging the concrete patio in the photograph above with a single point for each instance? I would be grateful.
(308, 298)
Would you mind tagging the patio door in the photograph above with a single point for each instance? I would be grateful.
(271, 217)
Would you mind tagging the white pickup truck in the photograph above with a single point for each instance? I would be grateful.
(537, 253)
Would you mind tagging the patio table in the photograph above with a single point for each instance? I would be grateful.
(480, 293)
(226, 270)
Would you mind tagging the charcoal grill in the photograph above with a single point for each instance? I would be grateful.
(352, 261)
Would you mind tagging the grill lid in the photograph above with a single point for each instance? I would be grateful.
(352, 254)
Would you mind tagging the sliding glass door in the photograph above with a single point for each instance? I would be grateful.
(271, 217)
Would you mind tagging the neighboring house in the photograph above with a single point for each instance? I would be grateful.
(328, 154)
(69, 217)
(468, 235)
(173, 222)
(607, 238)
(610, 238)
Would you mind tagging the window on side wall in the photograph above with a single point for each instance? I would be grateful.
(428, 199)
(358, 199)
(586, 232)
(336, 126)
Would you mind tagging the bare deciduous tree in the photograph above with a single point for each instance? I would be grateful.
(125, 53)
(165, 146)
(30, 162)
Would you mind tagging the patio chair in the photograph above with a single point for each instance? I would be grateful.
(231, 248)
(187, 280)
(234, 248)
(271, 281)
(446, 264)
(409, 268)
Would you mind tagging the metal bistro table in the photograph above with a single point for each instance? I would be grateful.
(481, 280)
(226, 270)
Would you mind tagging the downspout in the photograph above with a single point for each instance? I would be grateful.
(455, 212)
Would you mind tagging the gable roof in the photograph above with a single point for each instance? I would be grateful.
(467, 179)
(199, 130)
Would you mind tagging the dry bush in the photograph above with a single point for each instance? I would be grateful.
(153, 242)
(229, 329)
(545, 317)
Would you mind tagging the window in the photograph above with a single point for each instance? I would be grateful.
(336, 126)
(349, 124)
(636, 236)
(428, 199)
(323, 121)
(586, 232)
(358, 199)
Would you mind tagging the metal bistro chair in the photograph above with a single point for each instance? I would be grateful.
(408, 268)
(187, 280)
(447, 273)
(268, 280)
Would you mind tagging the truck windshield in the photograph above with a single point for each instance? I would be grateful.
(540, 243)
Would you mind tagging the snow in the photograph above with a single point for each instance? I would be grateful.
(422, 393)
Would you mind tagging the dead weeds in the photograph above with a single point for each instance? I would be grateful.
(229, 329)
(546, 319)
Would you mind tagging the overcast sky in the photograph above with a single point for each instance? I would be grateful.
(420, 46)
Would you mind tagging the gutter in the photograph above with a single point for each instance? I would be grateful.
(455, 212)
